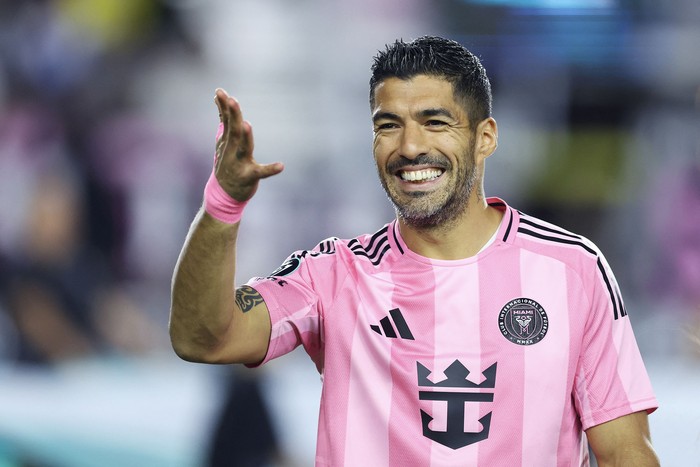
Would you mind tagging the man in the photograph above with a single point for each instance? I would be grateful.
(462, 333)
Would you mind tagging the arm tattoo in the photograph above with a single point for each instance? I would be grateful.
(247, 298)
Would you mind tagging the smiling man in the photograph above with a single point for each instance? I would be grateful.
(463, 333)
(430, 156)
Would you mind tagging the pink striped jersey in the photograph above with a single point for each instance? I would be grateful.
(501, 359)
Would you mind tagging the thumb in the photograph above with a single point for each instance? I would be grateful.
(268, 170)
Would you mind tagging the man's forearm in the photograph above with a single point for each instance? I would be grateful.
(633, 457)
(203, 308)
(624, 441)
(202, 300)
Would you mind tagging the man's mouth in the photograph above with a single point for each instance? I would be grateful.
(423, 175)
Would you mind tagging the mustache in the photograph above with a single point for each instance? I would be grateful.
(424, 159)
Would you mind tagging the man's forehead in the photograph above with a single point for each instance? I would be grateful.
(417, 93)
(414, 82)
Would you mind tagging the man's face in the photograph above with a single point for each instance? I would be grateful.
(424, 149)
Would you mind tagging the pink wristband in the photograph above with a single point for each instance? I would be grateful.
(217, 203)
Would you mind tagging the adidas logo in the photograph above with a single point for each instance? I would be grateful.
(387, 329)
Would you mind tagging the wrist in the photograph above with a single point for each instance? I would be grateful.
(219, 204)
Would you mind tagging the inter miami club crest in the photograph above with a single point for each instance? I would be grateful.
(523, 321)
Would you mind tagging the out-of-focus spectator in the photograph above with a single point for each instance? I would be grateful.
(244, 433)
(54, 276)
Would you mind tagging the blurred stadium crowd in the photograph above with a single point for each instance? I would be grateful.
(107, 125)
(91, 185)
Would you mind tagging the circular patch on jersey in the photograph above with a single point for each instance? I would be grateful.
(287, 267)
(523, 321)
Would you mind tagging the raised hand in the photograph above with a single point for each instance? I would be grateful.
(236, 170)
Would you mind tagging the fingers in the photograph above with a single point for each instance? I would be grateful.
(233, 119)
(229, 114)
(220, 98)
(218, 103)
(237, 133)
(235, 167)
(245, 146)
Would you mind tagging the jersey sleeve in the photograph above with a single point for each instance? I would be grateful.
(297, 295)
(611, 379)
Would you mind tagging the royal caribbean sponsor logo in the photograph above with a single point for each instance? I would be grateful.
(456, 391)
(523, 321)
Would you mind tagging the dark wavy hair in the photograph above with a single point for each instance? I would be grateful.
(439, 57)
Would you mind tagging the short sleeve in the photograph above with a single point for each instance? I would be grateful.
(611, 379)
(296, 295)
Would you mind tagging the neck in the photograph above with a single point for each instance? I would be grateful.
(459, 238)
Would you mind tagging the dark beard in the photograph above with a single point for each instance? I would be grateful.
(452, 208)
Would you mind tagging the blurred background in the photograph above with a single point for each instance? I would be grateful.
(107, 126)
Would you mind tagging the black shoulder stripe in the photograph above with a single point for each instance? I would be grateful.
(557, 239)
(510, 224)
(396, 240)
(367, 250)
(525, 220)
(379, 234)
(377, 259)
(327, 246)
(376, 235)
(375, 249)
(618, 307)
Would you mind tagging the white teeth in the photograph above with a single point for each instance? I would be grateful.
(420, 175)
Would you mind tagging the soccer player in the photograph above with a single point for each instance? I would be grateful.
(462, 333)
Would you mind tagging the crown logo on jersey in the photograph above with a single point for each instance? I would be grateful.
(457, 375)
(454, 436)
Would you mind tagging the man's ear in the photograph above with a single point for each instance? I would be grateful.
(486, 139)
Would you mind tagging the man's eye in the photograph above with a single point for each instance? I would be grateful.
(385, 126)
(435, 123)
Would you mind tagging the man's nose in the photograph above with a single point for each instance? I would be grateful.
(413, 141)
